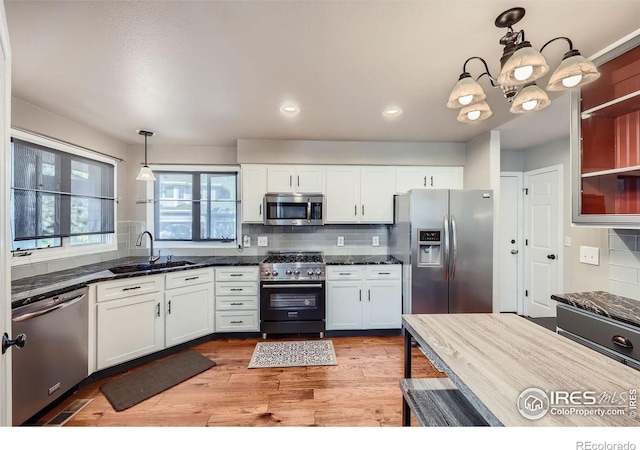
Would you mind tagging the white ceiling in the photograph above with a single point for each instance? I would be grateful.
(212, 72)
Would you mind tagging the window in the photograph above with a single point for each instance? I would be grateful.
(59, 198)
(195, 206)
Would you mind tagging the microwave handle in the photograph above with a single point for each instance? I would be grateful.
(308, 210)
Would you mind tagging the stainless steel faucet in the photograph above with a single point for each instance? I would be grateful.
(152, 258)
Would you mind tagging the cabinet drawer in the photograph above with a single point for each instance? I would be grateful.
(234, 303)
(345, 272)
(241, 288)
(111, 290)
(227, 321)
(188, 278)
(384, 272)
(237, 273)
(615, 336)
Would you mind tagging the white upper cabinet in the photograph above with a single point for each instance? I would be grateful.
(254, 186)
(295, 179)
(358, 194)
(421, 177)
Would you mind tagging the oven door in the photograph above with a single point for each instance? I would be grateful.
(283, 301)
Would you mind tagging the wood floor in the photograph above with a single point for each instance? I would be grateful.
(362, 390)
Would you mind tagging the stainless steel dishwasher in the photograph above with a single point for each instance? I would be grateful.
(55, 357)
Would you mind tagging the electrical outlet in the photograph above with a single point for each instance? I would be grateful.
(590, 255)
(246, 241)
(340, 241)
(263, 241)
(376, 241)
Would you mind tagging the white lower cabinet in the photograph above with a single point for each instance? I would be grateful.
(142, 315)
(130, 325)
(189, 307)
(237, 305)
(364, 297)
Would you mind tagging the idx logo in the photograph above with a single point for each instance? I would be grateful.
(572, 398)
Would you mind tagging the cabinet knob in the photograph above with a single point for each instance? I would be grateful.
(551, 256)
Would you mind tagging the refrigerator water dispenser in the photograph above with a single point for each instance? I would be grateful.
(430, 248)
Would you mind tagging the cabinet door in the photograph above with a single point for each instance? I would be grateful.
(383, 306)
(408, 178)
(376, 194)
(309, 179)
(343, 194)
(129, 328)
(344, 305)
(189, 313)
(445, 177)
(254, 186)
(281, 179)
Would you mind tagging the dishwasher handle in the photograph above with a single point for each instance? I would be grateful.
(47, 310)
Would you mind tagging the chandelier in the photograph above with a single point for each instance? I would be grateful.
(521, 65)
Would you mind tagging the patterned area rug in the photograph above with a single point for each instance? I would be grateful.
(293, 353)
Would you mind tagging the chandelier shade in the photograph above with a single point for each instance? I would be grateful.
(530, 98)
(573, 71)
(475, 112)
(466, 92)
(526, 65)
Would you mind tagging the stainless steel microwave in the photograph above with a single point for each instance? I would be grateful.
(293, 209)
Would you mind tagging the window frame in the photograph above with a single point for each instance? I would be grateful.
(66, 250)
(190, 168)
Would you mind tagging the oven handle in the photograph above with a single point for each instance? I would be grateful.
(291, 286)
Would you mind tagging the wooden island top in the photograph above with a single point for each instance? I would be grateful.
(493, 358)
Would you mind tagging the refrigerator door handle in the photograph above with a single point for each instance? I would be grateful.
(445, 253)
(454, 250)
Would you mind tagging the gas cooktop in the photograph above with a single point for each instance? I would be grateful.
(280, 266)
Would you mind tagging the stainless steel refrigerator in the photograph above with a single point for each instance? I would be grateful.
(444, 238)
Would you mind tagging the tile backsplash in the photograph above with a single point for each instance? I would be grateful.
(624, 263)
(358, 240)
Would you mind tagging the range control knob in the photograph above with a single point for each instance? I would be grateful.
(310, 272)
(318, 272)
(288, 271)
(296, 272)
(267, 272)
(275, 273)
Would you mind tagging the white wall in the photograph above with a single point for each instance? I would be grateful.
(259, 151)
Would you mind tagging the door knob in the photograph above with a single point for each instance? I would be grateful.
(514, 252)
(551, 256)
(19, 341)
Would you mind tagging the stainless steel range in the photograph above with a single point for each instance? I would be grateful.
(292, 293)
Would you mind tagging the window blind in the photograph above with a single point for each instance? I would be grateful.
(59, 194)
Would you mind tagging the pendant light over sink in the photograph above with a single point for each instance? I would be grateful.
(145, 171)
(521, 65)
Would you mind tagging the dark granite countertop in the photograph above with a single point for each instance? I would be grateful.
(605, 304)
(32, 289)
(339, 260)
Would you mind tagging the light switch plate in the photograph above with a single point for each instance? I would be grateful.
(340, 241)
(590, 255)
(246, 241)
(567, 241)
(263, 241)
(376, 241)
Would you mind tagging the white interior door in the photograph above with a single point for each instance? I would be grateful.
(510, 235)
(5, 247)
(543, 261)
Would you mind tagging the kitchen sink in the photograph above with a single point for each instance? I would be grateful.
(148, 267)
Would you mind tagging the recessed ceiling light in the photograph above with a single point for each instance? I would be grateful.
(392, 112)
(290, 109)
